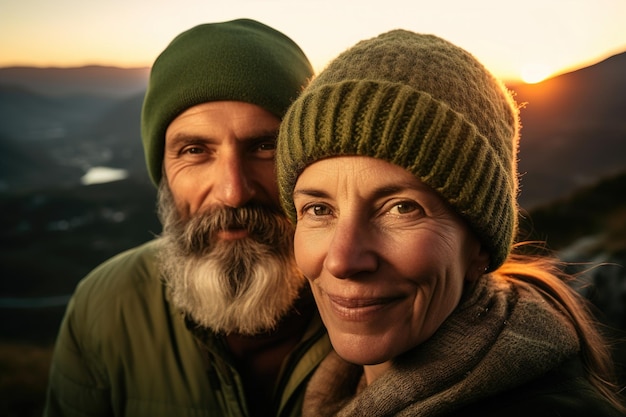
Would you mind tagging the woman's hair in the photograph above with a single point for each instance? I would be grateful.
(546, 273)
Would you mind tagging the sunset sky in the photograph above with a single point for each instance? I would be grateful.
(532, 37)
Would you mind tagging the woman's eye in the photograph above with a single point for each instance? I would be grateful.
(405, 207)
(318, 210)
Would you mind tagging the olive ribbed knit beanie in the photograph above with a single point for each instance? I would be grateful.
(426, 105)
(241, 60)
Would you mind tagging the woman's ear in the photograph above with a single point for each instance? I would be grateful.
(478, 265)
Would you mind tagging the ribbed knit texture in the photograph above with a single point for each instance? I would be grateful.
(419, 102)
(241, 60)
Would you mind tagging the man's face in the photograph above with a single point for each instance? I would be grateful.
(227, 248)
(221, 154)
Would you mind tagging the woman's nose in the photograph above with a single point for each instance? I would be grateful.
(351, 250)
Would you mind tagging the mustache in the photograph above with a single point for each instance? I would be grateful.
(264, 224)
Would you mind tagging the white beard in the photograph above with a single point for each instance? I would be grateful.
(243, 286)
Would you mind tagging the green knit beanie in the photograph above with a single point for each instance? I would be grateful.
(424, 104)
(240, 60)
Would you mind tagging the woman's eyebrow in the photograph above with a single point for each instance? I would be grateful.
(310, 192)
(402, 185)
(382, 191)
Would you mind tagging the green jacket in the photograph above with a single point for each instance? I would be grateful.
(123, 350)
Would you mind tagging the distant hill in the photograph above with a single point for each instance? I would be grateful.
(90, 80)
(27, 114)
(597, 210)
(21, 164)
(68, 132)
(573, 130)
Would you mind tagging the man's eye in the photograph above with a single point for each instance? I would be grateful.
(265, 150)
(194, 150)
(267, 147)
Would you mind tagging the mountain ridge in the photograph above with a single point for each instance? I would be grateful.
(90, 79)
(573, 130)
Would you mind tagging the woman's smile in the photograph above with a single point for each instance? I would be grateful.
(360, 308)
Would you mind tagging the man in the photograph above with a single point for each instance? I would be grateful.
(212, 318)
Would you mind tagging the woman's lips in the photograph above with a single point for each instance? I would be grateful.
(359, 309)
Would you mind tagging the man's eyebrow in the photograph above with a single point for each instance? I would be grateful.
(185, 139)
(262, 135)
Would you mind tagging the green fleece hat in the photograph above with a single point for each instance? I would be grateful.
(424, 104)
(240, 60)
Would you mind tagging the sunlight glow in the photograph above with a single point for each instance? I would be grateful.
(79, 33)
(534, 73)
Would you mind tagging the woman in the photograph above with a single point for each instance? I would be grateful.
(398, 165)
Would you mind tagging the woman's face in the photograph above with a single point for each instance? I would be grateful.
(386, 257)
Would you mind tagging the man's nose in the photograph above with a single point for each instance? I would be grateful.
(233, 187)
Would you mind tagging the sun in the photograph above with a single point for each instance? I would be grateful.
(534, 73)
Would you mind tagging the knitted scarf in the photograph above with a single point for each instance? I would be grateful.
(500, 336)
